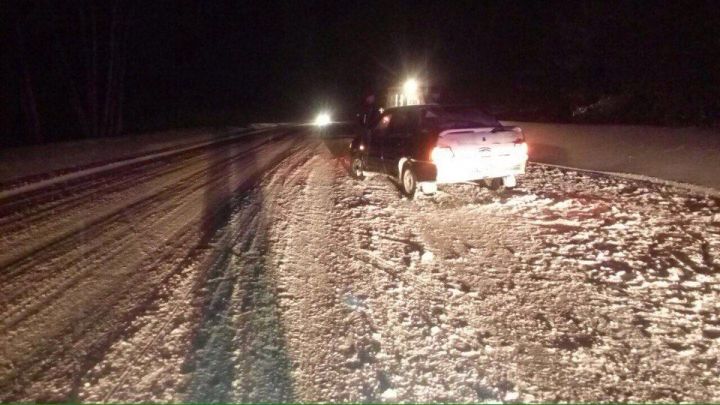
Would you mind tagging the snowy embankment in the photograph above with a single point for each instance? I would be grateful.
(23, 165)
(685, 155)
(21, 162)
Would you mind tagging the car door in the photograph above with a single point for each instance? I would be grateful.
(397, 140)
(376, 142)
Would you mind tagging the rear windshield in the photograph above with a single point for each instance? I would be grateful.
(444, 118)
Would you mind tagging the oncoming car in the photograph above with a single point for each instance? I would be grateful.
(425, 145)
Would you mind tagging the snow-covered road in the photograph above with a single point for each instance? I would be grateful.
(255, 269)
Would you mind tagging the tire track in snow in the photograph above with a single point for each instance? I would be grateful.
(141, 210)
(344, 306)
(43, 378)
(26, 241)
(201, 375)
(238, 353)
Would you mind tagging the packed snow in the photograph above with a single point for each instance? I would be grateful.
(259, 271)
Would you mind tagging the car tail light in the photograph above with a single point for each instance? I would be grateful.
(441, 153)
(522, 147)
(519, 142)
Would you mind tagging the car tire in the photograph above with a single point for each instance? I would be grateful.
(495, 184)
(408, 182)
(356, 168)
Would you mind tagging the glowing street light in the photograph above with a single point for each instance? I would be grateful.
(322, 119)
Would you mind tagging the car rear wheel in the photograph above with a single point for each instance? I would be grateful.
(494, 184)
(356, 168)
(408, 182)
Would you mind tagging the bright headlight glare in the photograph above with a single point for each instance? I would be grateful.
(410, 87)
(322, 119)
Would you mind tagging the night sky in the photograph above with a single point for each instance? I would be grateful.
(200, 62)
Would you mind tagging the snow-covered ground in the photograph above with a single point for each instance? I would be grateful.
(686, 155)
(257, 270)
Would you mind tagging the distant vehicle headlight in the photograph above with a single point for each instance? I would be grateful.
(322, 119)
(410, 87)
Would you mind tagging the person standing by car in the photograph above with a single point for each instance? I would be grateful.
(370, 113)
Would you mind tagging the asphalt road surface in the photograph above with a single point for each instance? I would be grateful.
(255, 269)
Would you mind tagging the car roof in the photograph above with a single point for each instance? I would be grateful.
(410, 107)
(416, 106)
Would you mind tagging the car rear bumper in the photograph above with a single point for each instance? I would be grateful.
(459, 172)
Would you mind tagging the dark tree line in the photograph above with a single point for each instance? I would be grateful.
(95, 70)
(63, 57)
